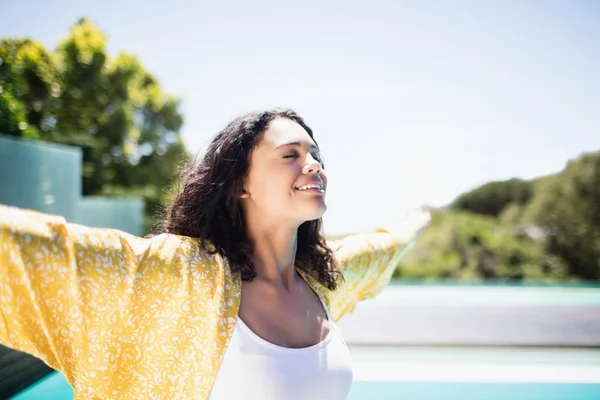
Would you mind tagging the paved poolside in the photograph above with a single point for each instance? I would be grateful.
(464, 315)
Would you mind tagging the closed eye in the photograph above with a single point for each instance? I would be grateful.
(295, 155)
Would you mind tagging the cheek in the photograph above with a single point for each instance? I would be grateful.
(277, 184)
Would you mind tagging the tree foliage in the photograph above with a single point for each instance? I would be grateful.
(112, 108)
(462, 245)
(492, 198)
(567, 207)
(545, 229)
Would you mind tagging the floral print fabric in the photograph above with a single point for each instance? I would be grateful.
(131, 318)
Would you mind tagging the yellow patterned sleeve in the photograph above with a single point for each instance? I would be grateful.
(368, 261)
(61, 282)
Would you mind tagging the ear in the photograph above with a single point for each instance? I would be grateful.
(244, 194)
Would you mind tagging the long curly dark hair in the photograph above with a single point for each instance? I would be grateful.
(208, 207)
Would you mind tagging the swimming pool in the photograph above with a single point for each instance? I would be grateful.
(469, 373)
(472, 391)
(428, 373)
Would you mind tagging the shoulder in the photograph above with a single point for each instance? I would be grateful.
(189, 247)
(191, 252)
(181, 260)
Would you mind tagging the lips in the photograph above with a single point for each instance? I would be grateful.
(310, 186)
(316, 184)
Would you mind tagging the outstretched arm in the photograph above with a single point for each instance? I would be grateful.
(60, 282)
(368, 260)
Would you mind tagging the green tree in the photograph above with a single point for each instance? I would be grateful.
(112, 108)
(567, 207)
(464, 245)
(492, 198)
(26, 79)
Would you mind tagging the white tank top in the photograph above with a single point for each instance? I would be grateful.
(253, 368)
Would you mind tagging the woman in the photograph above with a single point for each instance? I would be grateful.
(237, 298)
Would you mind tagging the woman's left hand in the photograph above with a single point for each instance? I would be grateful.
(411, 225)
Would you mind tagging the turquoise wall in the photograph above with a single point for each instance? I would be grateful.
(46, 177)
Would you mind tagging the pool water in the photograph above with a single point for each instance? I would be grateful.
(488, 296)
(475, 373)
(51, 387)
(449, 373)
(473, 391)
(54, 387)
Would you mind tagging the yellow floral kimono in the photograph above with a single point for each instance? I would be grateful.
(124, 317)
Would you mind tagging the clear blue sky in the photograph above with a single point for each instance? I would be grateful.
(411, 101)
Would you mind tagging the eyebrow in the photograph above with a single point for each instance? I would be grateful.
(295, 144)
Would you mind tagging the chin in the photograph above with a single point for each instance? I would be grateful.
(316, 213)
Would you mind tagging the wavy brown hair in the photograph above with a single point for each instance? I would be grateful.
(208, 206)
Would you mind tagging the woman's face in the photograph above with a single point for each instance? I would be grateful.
(282, 166)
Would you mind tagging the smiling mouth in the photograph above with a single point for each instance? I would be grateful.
(313, 187)
(320, 191)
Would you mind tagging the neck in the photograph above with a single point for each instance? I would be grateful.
(274, 254)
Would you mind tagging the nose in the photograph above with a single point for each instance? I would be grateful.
(312, 166)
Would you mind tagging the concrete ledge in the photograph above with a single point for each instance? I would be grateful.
(506, 326)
